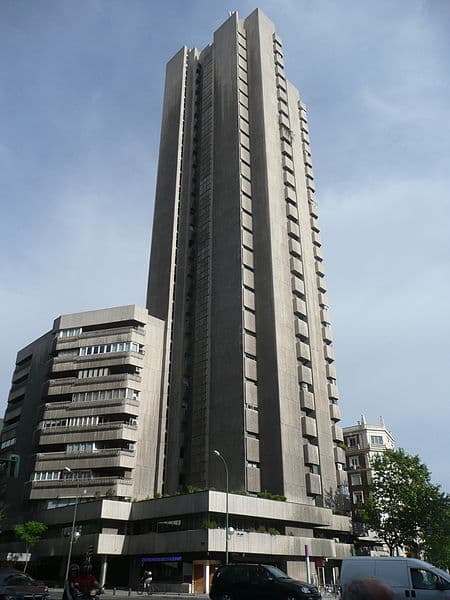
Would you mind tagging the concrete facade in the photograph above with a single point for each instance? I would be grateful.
(188, 533)
(85, 397)
(233, 353)
(236, 271)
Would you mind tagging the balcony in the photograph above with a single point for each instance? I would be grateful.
(341, 477)
(313, 484)
(58, 410)
(314, 224)
(296, 267)
(329, 352)
(107, 458)
(301, 328)
(87, 433)
(298, 286)
(336, 431)
(321, 284)
(335, 413)
(330, 370)
(318, 253)
(311, 454)
(325, 315)
(291, 211)
(299, 307)
(333, 392)
(303, 351)
(21, 372)
(307, 400)
(327, 334)
(66, 488)
(16, 392)
(12, 412)
(304, 374)
(65, 385)
(123, 334)
(309, 427)
(339, 455)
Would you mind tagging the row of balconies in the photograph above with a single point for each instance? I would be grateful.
(95, 486)
(59, 410)
(101, 336)
(65, 385)
(106, 458)
(102, 432)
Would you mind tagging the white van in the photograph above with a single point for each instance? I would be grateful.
(407, 577)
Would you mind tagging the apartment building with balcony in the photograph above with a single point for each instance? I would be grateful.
(83, 410)
(237, 355)
(363, 442)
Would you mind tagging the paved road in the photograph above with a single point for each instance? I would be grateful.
(56, 594)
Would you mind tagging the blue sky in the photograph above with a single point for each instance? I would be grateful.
(80, 106)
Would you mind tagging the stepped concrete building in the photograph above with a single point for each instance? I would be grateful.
(112, 408)
(83, 410)
(237, 273)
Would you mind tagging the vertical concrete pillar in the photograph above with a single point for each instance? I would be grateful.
(206, 574)
(103, 569)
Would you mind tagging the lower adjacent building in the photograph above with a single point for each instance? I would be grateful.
(83, 431)
(83, 410)
(363, 442)
(182, 538)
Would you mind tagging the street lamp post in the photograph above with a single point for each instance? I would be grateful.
(74, 520)
(217, 453)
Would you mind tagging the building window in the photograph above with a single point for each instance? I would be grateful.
(353, 442)
(358, 497)
(354, 462)
(81, 447)
(76, 475)
(377, 440)
(117, 394)
(70, 332)
(355, 479)
(46, 475)
(106, 348)
(86, 373)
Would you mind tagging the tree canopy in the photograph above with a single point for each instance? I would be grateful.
(30, 533)
(405, 508)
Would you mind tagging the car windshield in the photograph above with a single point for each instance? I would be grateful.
(277, 573)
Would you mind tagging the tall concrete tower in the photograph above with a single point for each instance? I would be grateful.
(237, 273)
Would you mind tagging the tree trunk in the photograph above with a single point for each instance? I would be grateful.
(25, 565)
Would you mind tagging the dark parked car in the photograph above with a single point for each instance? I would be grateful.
(17, 585)
(258, 582)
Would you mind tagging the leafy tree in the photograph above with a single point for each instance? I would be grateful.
(403, 503)
(30, 533)
(436, 542)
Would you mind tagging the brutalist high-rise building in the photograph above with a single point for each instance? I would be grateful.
(237, 273)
